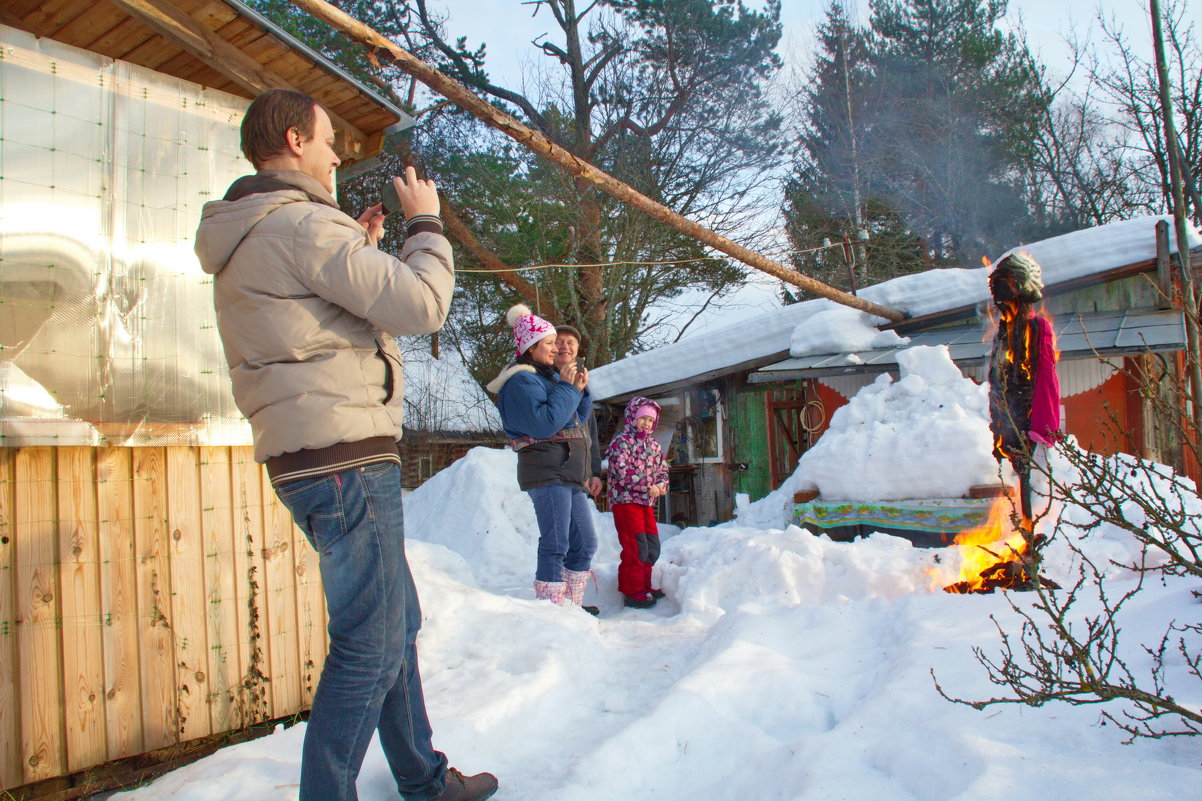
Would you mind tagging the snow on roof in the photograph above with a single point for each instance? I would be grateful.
(1063, 258)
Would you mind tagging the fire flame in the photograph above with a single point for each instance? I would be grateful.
(984, 552)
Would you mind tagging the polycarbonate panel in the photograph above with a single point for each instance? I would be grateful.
(107, 329)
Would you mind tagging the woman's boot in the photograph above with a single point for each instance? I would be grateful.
(576, 581)
(554, 591)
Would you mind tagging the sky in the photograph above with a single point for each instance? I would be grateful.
(507, 26)
(780, 666)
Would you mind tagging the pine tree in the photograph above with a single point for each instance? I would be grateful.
(832, 196)
(959, 106)
(917, 131)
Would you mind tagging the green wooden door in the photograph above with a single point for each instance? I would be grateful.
(747, 425)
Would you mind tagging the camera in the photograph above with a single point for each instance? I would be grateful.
(389, 199)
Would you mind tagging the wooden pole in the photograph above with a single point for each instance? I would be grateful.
(1176, 168)
(385, 49)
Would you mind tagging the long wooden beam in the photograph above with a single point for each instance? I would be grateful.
(384, 48)
(193, 37)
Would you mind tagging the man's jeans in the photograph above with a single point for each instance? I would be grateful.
(370, 680)
(565, 530)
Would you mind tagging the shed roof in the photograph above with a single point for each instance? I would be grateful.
(1077, 336)
(932, 298)
(220, 44)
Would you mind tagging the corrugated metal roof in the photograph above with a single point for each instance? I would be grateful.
(1077, 336)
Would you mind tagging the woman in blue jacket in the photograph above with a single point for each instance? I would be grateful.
(545, 414)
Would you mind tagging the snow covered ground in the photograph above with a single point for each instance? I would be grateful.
(780, 666)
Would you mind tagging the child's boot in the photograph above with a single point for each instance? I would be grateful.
(644, 600)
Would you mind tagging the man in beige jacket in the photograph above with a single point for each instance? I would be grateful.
(308, 309)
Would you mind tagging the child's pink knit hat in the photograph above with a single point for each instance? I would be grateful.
(528, 327)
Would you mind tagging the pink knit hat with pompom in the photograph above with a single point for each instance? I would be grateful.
(528, 327)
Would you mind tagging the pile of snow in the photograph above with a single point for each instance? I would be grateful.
(925, 435)
(496, 531)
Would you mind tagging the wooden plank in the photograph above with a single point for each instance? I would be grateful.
(217, 523)
(310, 612)
(296, 70)
(151, 53)
(280, 585)
(79, 578)
(45, 14)
(251, 40)
(118, 601)
(21, 8)
(183, 64)
(213, 15)
(254, 698)
(43, 750)
(156, 646)
(123, 37)
(11, 773)
(87, 21)
(183, 31)
(187, 593)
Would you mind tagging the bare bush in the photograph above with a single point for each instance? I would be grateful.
(1115, 526)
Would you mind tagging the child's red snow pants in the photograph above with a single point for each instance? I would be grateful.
(639, 537)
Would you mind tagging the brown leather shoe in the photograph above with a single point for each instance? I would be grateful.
(468, 788)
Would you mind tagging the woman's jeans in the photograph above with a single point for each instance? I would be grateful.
(565, 530)
(370, 680)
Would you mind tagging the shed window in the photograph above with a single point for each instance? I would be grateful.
(704, 416)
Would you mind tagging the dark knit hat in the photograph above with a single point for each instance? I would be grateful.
(568, 329)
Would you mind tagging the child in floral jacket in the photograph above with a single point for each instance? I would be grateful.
(638, 474)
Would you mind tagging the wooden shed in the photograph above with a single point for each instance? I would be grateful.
(153, 592)
(742, 415)
(218, 44)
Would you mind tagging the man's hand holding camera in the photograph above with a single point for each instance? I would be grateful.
(575, 374)
(415, 196)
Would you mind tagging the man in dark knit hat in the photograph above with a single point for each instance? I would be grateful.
(567, 349)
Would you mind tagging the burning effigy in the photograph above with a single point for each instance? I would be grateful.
(918, 456)
(1024, 412)
(1024, 392)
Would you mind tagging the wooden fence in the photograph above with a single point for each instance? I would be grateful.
(148, 596)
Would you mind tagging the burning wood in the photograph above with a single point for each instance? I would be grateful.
(997, 556)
